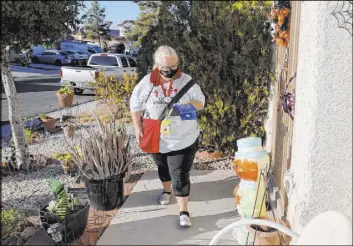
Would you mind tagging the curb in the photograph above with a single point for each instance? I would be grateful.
(31, 78)
(39, 68)
(44, 68)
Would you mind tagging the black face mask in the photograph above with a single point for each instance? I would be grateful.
(170, 73)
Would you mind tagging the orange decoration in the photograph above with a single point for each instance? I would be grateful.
(274, 14)
(279, 16)
(280, 42)
(284, 12)
(281, 19)
(245, 169)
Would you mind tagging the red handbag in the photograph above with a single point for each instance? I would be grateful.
(151, 128)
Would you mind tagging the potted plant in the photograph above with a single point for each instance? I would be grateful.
(103, 159)
(69, 130)
(64, 218)
(65, 96)
(209, 153)
(49, 123)
(66, 162)
(264, 235)
(68, 125)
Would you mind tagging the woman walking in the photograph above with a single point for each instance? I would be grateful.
(179, 133)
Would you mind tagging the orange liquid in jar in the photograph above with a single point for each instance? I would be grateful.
(245, 169)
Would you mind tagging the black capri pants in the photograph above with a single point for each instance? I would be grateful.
(175, 166)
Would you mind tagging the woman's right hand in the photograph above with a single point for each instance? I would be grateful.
(138, 133)
(136, 119)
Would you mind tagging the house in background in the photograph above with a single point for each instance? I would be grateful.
(115, 36)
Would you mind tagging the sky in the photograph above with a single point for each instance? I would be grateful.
(117, 11)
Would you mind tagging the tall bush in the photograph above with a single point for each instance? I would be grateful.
(115, 93)
(223, 47)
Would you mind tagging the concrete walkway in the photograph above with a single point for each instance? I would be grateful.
(142, 221)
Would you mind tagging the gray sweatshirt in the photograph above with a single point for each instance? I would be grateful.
(183, 133)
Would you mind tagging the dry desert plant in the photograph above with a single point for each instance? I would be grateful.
(104, 153)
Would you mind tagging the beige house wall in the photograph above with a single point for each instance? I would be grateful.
(321, 165)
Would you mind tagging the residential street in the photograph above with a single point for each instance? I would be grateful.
(37, 95)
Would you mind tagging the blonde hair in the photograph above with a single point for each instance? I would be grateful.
(163, 51)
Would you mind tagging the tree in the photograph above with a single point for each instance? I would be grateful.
(120, 48)
(172, 29)
(148, 17)
(24, 23)
(222, 45)
(95, 24)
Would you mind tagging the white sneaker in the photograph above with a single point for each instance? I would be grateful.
(164, 199)
(185, 221)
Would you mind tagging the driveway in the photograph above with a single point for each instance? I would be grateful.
(37, 95)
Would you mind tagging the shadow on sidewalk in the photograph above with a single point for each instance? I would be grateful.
(199, 192)
(165, 230)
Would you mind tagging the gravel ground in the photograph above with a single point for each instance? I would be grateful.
(28, 193)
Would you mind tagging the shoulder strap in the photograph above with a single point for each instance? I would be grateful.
(149, 94)
(177, 97)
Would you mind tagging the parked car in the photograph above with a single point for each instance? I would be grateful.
(79, 57)
(112, 64)
(87, 54)
(56, 57)
(94, 49)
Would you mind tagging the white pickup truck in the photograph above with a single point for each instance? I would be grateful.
(81, 77)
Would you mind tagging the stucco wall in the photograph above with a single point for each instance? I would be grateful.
(322, 143)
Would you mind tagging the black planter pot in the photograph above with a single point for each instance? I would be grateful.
(106, 194)
(74, 224)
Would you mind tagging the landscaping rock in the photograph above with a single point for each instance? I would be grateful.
(4, 172)
(34, 221)
(34, 124)
(40, 238)
(13, 240)
(30, 192)
(28, 232)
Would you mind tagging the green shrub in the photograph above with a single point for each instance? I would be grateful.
(65, 158)
(43, 116)
(114, 92)
(68, 90)
(11, 221)
(28, 135)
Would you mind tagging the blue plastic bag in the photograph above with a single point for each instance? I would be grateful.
(186, 111)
